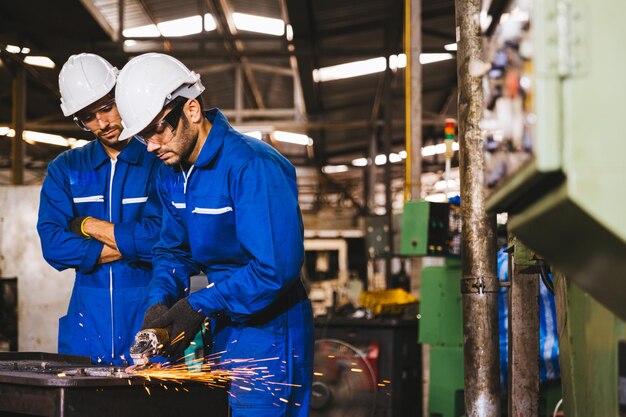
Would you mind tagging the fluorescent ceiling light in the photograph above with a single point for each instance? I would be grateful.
(441, 185)
(209, 22)
(333, 169)
(296, 138)
(77, 143)
(397, 61)
(174, 28)
(181, 27)
(440, 148)
(26, 50)
(380, 159)
(359, 162)
(450, 47)
(351, 69)
(39, 61)
(7, 131)
(259, 24)
(441, 197)
(371, 66)
(429, 150)
(289, 34)
(12, 49)
(257, 134)
(148, 31)
(32, 137)
(430, 58)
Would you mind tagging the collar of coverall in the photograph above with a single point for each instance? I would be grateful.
(215, 140)
(130, 154)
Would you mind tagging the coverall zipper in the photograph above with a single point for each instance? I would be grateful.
(113, 162)
(186, 177)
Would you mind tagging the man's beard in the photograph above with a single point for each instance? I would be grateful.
(187, 139)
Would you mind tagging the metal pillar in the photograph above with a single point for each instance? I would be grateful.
(238, 93)
(413, 97)
(370, 200)
(388, 177)
(19, 118)
(479, 284)
(120, 26)
(523, 333)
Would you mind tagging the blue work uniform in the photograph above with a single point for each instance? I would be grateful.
(234, 215)
(108, 300)
(549, 368)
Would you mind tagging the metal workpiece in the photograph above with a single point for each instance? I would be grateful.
(480, 307)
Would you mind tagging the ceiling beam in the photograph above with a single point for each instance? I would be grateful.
(100, 19)
(221, 11)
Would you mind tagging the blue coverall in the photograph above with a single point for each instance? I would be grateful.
(549, 368)
(234, 215)
(108, 300)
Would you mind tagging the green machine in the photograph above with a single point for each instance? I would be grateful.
(563, 194)
(434, 229)
(441, 327)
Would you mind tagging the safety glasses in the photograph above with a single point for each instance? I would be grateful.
(84, 118)
(171, 119)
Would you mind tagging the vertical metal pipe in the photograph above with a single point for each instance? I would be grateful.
(120, 25)
(371, 171)
(523, 343)
(19, 118)
(238, 93)
(479, 285)
(413, 98)
(388, 191)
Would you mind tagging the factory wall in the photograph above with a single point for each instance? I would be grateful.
(43, 292)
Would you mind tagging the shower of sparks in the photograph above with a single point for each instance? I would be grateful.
(244, 374)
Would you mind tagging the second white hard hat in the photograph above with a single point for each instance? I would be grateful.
(84, 79)
(146, 84)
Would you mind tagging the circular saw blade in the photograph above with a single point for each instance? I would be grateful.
(343, 381)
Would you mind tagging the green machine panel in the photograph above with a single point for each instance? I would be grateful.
(441, 313)
(564, 197)
(445, 395)
(430, 229)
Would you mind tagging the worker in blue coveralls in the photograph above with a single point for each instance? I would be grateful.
(230, 209)
(100, 214)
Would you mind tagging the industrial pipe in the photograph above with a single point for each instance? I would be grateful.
(479, 284)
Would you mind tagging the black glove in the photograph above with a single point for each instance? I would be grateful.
(182, 323)
(76, 226)
(153, 313)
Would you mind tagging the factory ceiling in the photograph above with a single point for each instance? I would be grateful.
(265, 82)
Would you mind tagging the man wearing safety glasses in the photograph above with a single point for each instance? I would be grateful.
(100, 215)
(230, 209)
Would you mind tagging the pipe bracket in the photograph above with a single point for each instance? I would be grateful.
(479, 285)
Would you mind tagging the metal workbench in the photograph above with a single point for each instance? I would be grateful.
(43, 384)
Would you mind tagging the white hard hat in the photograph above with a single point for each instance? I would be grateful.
(146, 84)
(83, 80)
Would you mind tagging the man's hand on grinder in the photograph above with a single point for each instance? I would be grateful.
(154, 312)
(182, 323)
